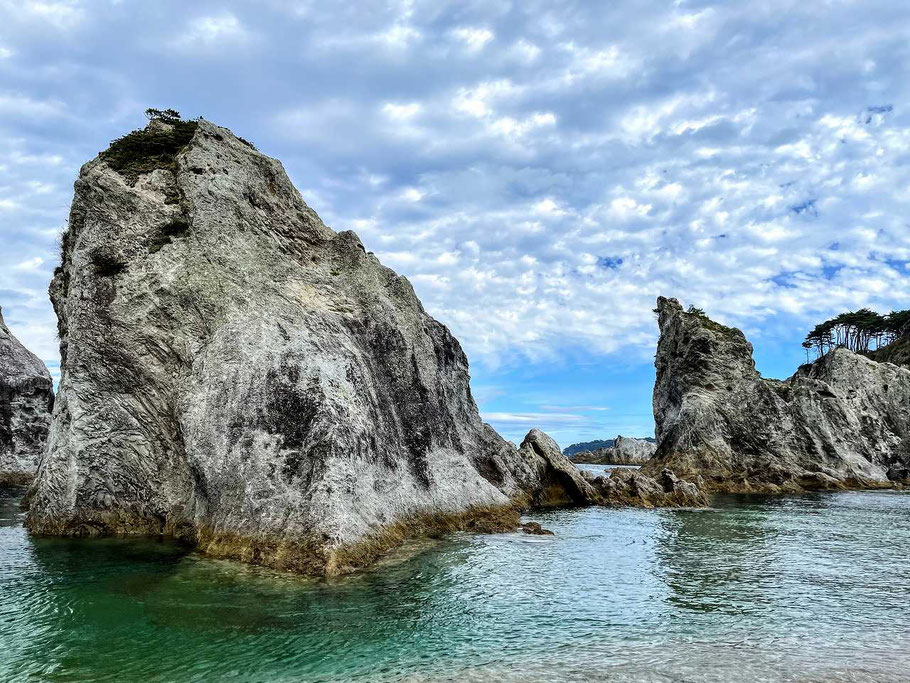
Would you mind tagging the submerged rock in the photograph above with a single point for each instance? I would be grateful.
(841, 422)
(625, 450)
(239, 375)
(535, 529)
(26, 401)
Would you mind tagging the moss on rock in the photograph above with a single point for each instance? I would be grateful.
(153, 147)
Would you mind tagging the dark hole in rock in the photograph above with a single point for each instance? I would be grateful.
(168, 232)
(107, 265)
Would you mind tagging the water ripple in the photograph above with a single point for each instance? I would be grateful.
(803, 588)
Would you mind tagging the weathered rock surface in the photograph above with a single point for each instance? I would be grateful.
(534, 529)
(843, 421)
(26, 401)
(562, 483)
(629, 487)
(631, 451)
(238, 375)
(625, 450)
(897, 352)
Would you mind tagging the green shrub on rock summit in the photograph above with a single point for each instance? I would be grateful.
(153, 147)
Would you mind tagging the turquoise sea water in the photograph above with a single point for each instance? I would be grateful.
(802, 588)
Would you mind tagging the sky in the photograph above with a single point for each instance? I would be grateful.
(540, 171)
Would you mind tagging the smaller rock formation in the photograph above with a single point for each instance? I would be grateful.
(633, 488)
(535, 529)
(840, 422)
(631, 451)
(26, 401)
(558, 475)
(624, 451)
(560, 482)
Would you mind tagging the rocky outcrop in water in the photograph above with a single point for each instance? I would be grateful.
(26, 400)
(560, 481)
(238, 375)
(625, 450)
(633, 488)
(620, 488)
(841, 422)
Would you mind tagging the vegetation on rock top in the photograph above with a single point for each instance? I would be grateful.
(708, 322)
(861, 331)
(145, 150)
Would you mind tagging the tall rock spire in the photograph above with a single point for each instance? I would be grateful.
(238, 374)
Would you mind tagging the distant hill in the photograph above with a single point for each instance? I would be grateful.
(593, 445)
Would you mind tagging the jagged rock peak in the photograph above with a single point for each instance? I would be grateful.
(26, 399)
(839, 422)
(237, 374)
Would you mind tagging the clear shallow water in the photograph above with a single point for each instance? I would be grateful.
(802, 588)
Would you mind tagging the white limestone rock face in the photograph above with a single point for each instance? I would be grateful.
(239, 375)
(26, 401)
(626, 450)
(841, 422)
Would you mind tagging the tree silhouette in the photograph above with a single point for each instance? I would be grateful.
(165, 115)
(860, 331)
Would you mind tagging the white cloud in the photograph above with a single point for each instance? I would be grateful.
(547, 207)
(23, 105)
(31, 264)
(480, 100)
(412, 194)
(211, 31)
(473, 38)
(540, 176)
(400, 36)
(526, 50)
(62, 15)
(625, 208)
(401, 112)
